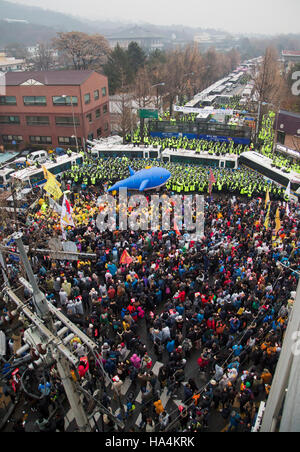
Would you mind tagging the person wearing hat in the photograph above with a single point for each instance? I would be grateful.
(117, 384)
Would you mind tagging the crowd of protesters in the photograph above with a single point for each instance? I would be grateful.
(213, 311)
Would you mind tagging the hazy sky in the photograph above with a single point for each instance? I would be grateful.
(236, 16)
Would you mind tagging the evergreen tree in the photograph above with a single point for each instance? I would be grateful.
(136, 57)
(117, 68)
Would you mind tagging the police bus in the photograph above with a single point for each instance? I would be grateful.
(33, 176)
(265, 166)
(201, 159)
(127, 150)
(5, 175)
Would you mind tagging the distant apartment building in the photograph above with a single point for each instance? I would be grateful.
(8, 64)
(49, 109)
(144, 38)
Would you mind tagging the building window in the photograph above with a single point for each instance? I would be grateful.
(90, 136)
(40, 140)
(11, 138)
(8, 100)
(34, 100)
(69, 140)
(66, 121)
(99, 132)
(87, 98)
(65, 100)
(9, 120)
(104, 91)
(105, 109)
(37, 120)
(96, 94)
(97, 113)
(106, 126)
(89, 117)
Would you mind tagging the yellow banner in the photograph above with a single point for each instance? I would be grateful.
(277, 221)
(267, 200)
(52, 187)
(49, 176)
(266, 223)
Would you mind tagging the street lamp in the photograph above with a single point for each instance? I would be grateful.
(64, 96)
(157, 85)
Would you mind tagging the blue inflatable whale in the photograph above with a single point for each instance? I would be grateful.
(145, 179)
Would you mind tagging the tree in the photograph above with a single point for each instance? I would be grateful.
(117, 69)
(268, 83)
(43, 59)
(16, 50)
(267, 79)
(136, 57)
(142, 93)
(124, 118)
(123, 114)
(181, 73)
(82, 51)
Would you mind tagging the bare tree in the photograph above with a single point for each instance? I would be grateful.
(268, 83)
(173, 74)
(43, 59)
(81, 50)
(123, 114)
(267, 79)
(142, 94)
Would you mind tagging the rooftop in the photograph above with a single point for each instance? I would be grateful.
(291, 53)
(135, 32)
(48, 77)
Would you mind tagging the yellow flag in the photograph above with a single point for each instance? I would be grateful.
(277, 221)
(267, 200)
(52, 187)
(267, 219)
(49, 175)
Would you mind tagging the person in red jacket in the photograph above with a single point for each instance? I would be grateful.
(83, 366)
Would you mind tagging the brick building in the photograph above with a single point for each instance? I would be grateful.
(48, 109)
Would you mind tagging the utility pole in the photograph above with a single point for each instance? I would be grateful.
(39, 300)
(44, 314)
(2, 263)
(63, 368)
(13, 193)
(58, 330)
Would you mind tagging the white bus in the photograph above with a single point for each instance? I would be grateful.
(5, 175)
(33, 176)
(264, 166)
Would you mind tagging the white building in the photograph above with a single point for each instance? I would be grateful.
(8, 64)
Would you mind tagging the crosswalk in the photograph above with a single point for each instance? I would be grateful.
(127, 388)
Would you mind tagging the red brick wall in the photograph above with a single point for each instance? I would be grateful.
(95, 81)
